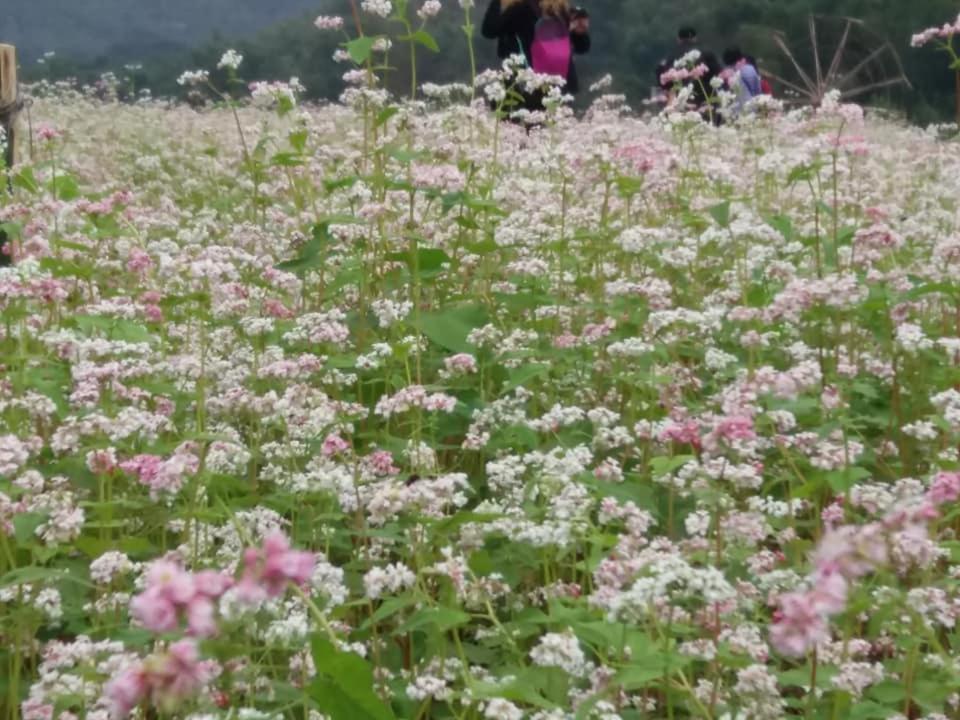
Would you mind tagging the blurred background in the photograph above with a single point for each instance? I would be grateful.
(146, 44)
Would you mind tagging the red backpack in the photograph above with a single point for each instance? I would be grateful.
(551, 49)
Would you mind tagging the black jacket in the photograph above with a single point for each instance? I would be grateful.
(513, 30)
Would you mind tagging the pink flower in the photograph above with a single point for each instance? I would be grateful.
(171, 590)
(380, 463)
(328, 22)
(153, 313)
(211, 583)
(139, 261)
(269, 571)
(154, 612)
(682, 433)
(334, 445)
(276, 309)
(736, 428)
(127, 690)
(829, 593)
(852, 551)
(171, 581)
(799, 626)
(176, 675)
(36, 710)
(945, 488)
(102, 462)
(46, 132)
(200, 617)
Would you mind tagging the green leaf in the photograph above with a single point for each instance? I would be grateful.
(389, 608)
(25, 180)
(422, 37)
(36, 574)
(522, 375)
(345, 689)
(636, 678)
(25, 526)
(312, 254)
(721, 213)
(888, 692)
(360, 49)
(443, 619)
(287, 159)
(65, 187)
(783, 225)
(384, 115)
(864, 710)
(298, 140)
(425, 262)
(842, 480)
(449, 329)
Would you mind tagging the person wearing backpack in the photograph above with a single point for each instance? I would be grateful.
(741, 78)
(548, 33)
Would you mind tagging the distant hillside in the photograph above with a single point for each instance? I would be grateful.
(134, 29)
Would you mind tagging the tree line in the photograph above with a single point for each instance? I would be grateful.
(629, 38)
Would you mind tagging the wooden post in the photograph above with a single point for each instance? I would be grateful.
(9, 103)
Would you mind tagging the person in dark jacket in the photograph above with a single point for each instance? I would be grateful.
(512, 24)
(704, 96)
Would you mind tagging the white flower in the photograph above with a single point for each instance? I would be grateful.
(193, 77)
(561, 650)
(231, 60)
(380, 8)
(328, 22)
(429, 9)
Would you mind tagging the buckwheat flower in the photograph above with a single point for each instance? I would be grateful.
(390, 312)
(429, 9)
(102, 462)
(33, 709)
(328, 22)
(799, 625)
(230, 60)
(466, 4)
(380, 8)
(855, 677)
(921, 430)
(561, 650)
(127, 690)
(193, 77)
(461, 364)
(500, 709)
(758, 691)
(176, 675)
(388, 580)
(945, 488)
(110, 566)
(64, 526)
(13, 454)
(270, 570)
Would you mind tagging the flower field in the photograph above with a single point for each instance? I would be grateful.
(371, 411)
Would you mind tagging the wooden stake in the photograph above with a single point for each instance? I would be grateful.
(9, 96)
(9, 104)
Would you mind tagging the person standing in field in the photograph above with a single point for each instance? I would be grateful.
(689, 55)
(741, 78)
(548, 33)
(766, 87)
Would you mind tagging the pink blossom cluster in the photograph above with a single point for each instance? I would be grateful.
(411, 397)
(165, 680)
(845, 554)
(267, 572)
(682, 74)
(944, 32)
(164, 476)
(172, 593)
